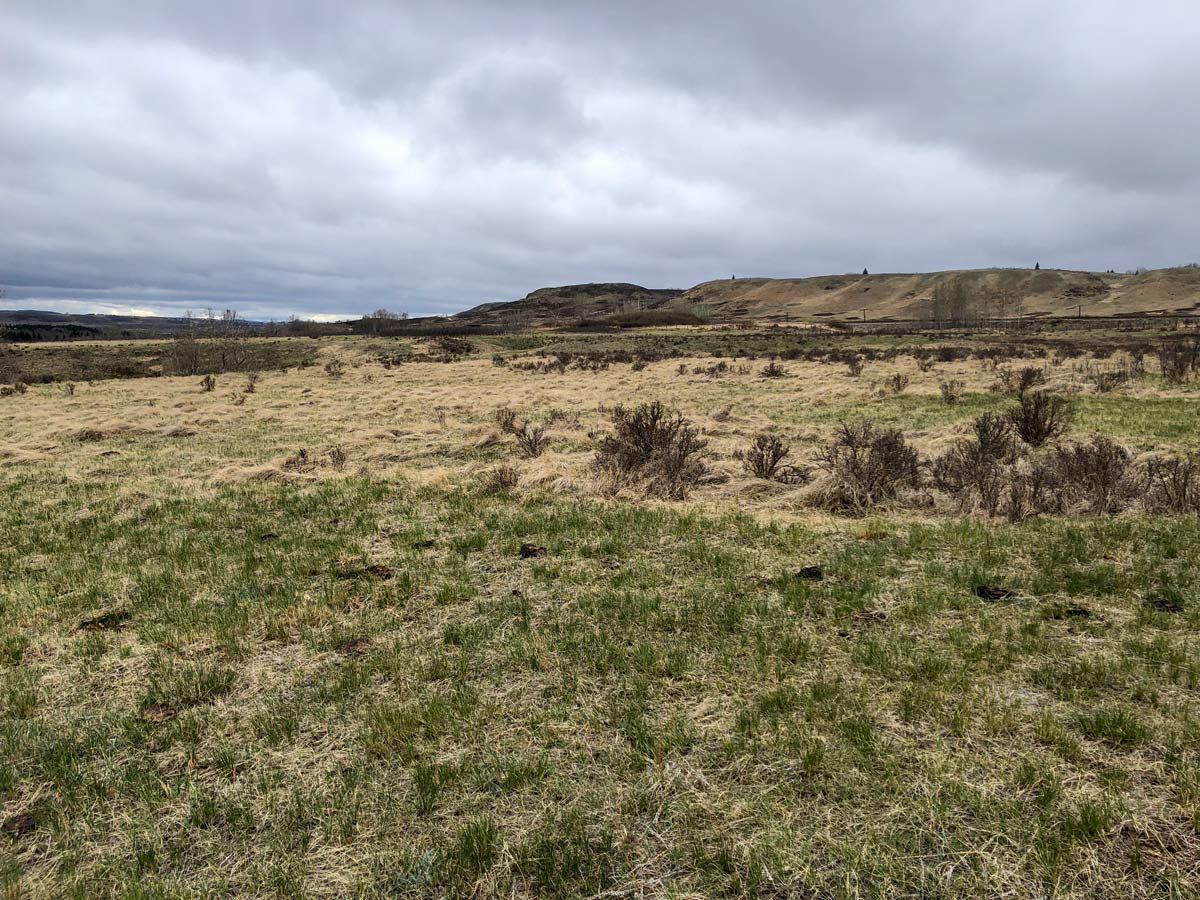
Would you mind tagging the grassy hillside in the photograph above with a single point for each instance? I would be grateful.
(910, 296)
(559, 305)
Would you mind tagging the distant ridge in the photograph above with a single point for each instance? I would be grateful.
(895, 296)
(822, 298)
(40, 325)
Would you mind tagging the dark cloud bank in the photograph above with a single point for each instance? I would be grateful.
(328, 158)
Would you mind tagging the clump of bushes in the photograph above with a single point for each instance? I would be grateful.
(867, 465)
(653, 445)
(506, 419)
(532, 440)
(973, 470)
(1172, 485)
(773, 370)
(1099, 474)
(1107, 380)
(452, 346)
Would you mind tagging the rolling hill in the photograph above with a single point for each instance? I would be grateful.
(572, 302)
(1044, 292)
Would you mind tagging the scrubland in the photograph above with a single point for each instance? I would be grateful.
(434, 618)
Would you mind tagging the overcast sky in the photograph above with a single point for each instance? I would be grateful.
(324, 158)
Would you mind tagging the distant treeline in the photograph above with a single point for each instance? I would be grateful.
(34, 333)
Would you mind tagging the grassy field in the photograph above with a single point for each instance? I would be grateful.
(295, 636)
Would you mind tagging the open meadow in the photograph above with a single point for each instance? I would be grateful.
(685, 613)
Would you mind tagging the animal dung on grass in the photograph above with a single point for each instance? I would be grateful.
(992, 594)
(531, 551)
(105, 621)
(20, 824)
(355, 646)
(1159, 603)
(158, 712)
(811, 573)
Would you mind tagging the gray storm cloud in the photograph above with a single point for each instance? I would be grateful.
(322, 158)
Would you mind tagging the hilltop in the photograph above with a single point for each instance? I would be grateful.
(572, 302)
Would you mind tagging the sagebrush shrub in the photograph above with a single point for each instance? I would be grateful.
(532, 440)
(1173, 485)
(1179, 359)
(653, 444)
(974, 468)
(868, 464)
(765, 456)
(1099, 473)
(506, 419)
(500, 479)
(1038, 417)
(951, 391)
(1022, 381)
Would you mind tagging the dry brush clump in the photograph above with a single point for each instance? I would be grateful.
(1179, 359)
(655, 446)
(1098, 475)
(1172, 485)
(532, 440)
(992, 473)
(1040, 417)
(1020, 381)
(973, 470)
(866, 466)
(765, 459)
(895, 385)
(951, 390)
(506, 419)
(499, 480)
